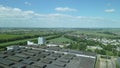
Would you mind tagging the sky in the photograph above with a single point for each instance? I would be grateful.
(60, 13)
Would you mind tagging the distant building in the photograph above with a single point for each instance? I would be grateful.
(12, 47)
(52, 45)
(94, 47)
(59, 45)
(41, 40)
(30, 43)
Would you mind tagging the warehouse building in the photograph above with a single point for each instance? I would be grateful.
(46, 57)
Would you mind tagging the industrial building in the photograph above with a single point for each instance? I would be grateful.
(41, 40)
(46, 57)
(31, 43)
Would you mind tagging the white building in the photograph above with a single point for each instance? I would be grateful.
(94, 47)
(41, 40)
(30, 43)
(60, 45)
(12, 47)
(52, 45)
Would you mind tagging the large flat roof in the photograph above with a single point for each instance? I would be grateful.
(46, 57)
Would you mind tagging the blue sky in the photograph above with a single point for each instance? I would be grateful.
(60, 13)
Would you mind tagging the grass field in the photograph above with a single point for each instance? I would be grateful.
(60, 40)
(94, 33)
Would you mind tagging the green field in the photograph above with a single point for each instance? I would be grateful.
(60, 40)
(94, 33)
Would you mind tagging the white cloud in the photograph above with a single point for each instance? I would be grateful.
(27, 3)
(110, 10)
(15, 17)
(65, 9)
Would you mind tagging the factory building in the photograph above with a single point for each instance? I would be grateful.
(46, 57)
(41, 40)
(30, 43)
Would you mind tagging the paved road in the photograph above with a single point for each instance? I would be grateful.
(109, 64)
(102, 63)
(113, 62)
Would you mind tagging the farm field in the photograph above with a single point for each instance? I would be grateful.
(60, 40)
(94, 33)
(98, 31)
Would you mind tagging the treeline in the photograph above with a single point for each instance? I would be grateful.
(83, 40)
(81, 44)
(52, 37)
(17, 43)
(47, 37)
(78, 45)
(109, 33)
(23, 37)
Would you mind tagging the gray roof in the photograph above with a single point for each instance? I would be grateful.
(46, 57)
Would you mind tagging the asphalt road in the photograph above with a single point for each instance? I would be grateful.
(102, 63)
(109, 64)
